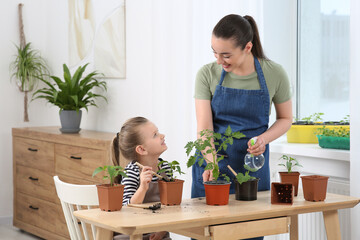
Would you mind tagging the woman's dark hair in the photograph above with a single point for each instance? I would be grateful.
(242, 30)
(127, 139)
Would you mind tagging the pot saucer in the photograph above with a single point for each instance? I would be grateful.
(64, 130)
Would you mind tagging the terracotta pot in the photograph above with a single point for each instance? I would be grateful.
(217, 193)
(171, 192)
(110, 198)
(314, 187)
(282, 193)
(292, 177)
(246, 191)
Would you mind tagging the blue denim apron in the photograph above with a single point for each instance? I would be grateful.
(246, 111)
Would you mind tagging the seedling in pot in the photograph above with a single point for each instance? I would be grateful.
(111, 172)
(211, 143)
(174, 167)
(240, 177)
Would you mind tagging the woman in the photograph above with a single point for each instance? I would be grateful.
(238, 90)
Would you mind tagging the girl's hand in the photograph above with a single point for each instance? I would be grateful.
(145, 177)
(157, 235)
(207, 175)
(258, 148)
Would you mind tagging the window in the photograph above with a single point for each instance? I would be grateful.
(323, 58)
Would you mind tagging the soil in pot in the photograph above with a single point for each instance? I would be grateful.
(110, 197)
(217, 192)
(292, 177)
(171, 192)
(246, 191)
(314, 187)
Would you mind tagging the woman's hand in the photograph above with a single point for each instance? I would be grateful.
(157, 235)
(207, 175)
(258, 148)
(145, 177)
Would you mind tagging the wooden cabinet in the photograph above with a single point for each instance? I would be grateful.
(39, 153)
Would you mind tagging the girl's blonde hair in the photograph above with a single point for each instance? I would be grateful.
(127, 139)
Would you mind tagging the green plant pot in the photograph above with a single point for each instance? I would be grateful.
(334, 142)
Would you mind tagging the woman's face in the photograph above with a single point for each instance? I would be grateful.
(227, 54)
(153, 141)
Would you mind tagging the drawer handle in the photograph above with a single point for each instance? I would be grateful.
(34, 208)
(32, 149)
(34, 179)
(77, 158)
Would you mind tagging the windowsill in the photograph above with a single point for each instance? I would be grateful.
(307, 149)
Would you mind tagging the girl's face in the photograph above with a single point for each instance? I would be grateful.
(228, 55)
(153, 141)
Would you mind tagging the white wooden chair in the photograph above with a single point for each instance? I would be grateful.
(71, 196)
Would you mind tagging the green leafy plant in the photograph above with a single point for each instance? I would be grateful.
(27, 68)
(211, 143)
(290, 162)
(174, 168)
(316, 117)
(333, 132)
(345, 120)
(111, 172)
(241, 178)
(74, 92)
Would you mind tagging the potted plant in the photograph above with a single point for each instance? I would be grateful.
(337, 138)
(314, 187)
(71, 95)
(170, 189)
(210, 142)
(27, 68)
(290, 176)
(302, 131)
(246, 186)
(110, 195)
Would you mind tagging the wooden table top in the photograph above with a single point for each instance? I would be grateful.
(195, 213)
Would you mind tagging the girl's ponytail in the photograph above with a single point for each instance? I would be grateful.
(257, 49)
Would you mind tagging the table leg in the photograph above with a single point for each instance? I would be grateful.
(294, 231)
(332, 225)
(104, 234)
(136, 237)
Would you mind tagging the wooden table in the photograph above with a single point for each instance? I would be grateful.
(238, 219)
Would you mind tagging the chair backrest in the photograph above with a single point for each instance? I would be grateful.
(76, 197)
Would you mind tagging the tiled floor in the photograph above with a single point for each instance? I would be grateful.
(8, 232)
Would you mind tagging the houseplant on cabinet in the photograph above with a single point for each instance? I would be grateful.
(71, 95)
(246, 186)
(290, 176)
(110, 195)
(210, 143)
(171, 189)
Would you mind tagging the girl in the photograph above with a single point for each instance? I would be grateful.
(139, 140)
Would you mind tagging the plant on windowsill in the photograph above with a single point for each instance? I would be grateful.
(170, 190)
(211, 143)
(336, 138)
(71, 95)
(110, 195)
(290, 176)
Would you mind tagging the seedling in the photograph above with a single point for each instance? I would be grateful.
(290, 162)
(111, 172)
(211, 143)
(174, 167)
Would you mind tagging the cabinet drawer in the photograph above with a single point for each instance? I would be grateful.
(79, 162)
(35, 182)
(33, 153)
(37, 212)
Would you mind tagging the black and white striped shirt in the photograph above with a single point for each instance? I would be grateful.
(132, 182)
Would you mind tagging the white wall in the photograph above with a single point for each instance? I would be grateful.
(166, 43)
(355, 114)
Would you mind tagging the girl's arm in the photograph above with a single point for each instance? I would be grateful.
(204, 121)
(280, 127)
(145, 179)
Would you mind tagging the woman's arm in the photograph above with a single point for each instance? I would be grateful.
(204, 121)
(281, 126)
